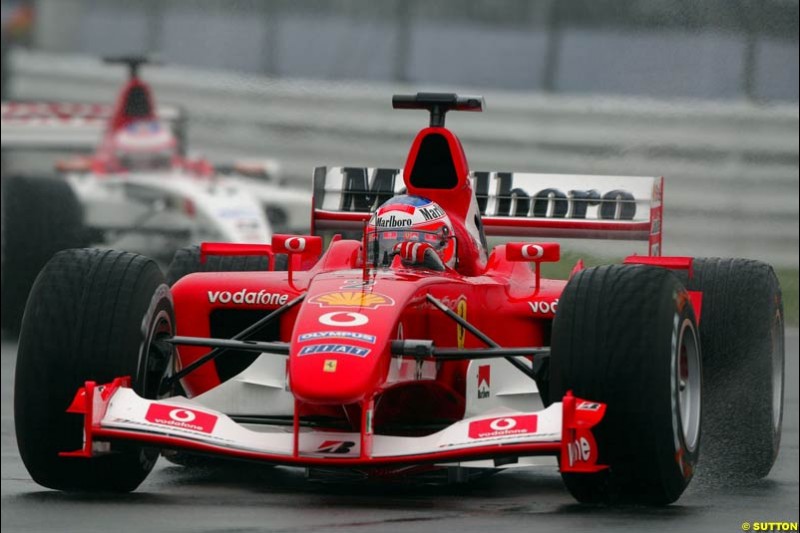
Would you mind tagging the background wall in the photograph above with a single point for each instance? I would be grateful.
(704, 93)
(707, 49)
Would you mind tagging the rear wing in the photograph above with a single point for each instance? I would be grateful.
(511, 203)
(62, 126)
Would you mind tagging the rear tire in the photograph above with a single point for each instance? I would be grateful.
(40, 216)
(742, 338)
(187, 261)
(625, 335)
(92, 315)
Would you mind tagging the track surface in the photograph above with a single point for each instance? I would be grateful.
(253, 499)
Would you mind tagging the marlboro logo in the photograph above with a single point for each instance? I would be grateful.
(484, 381)
(393, 222)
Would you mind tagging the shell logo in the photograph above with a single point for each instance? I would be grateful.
(461, 334)
(352, 299)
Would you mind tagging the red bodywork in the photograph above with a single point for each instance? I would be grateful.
(340, 335)
(494, 294)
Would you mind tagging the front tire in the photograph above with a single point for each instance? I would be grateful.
(92, 315)
(625, 335)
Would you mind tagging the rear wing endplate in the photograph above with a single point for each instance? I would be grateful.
(512, 204)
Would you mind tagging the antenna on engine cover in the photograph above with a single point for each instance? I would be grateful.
(438, 104)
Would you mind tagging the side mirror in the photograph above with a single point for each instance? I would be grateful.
(304, 245)
(303, 251)
(534, 252)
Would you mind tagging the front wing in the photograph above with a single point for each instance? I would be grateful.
(114, 412)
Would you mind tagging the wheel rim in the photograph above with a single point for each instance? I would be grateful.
(158, 355)
(689, 384)
(777, 372)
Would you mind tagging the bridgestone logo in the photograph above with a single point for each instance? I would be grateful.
(245, 297)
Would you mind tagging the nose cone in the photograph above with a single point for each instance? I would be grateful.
(340, 345)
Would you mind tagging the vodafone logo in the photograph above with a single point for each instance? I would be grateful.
(507, 426)
(295, 244)
(181, 418)
(182, 415)
(246, 297)
(344, 319)
(531, 251)
(503, 424)
(544, 307)
(579, 451)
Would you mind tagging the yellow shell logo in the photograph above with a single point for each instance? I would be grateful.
(352, 299)
(461, 334)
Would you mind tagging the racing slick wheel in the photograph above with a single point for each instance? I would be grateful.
(187, 261)
(741, 335)
(92, 315)
(40, 216)
(626, 335)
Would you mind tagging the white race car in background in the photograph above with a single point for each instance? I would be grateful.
(162, 211)
(136, 191)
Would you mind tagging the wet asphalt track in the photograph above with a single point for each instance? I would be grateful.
(254, 499)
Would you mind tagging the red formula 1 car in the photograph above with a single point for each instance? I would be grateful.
(411, 351)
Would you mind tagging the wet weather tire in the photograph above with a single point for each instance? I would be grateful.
(742, 339)
(92, 315)
(625, 335)
(40, 216)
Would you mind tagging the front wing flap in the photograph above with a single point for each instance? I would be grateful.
(115, 412)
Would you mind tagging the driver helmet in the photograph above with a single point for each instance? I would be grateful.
(408, 218)
(144, 145)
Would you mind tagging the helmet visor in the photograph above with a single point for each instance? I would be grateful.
(381, 242)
